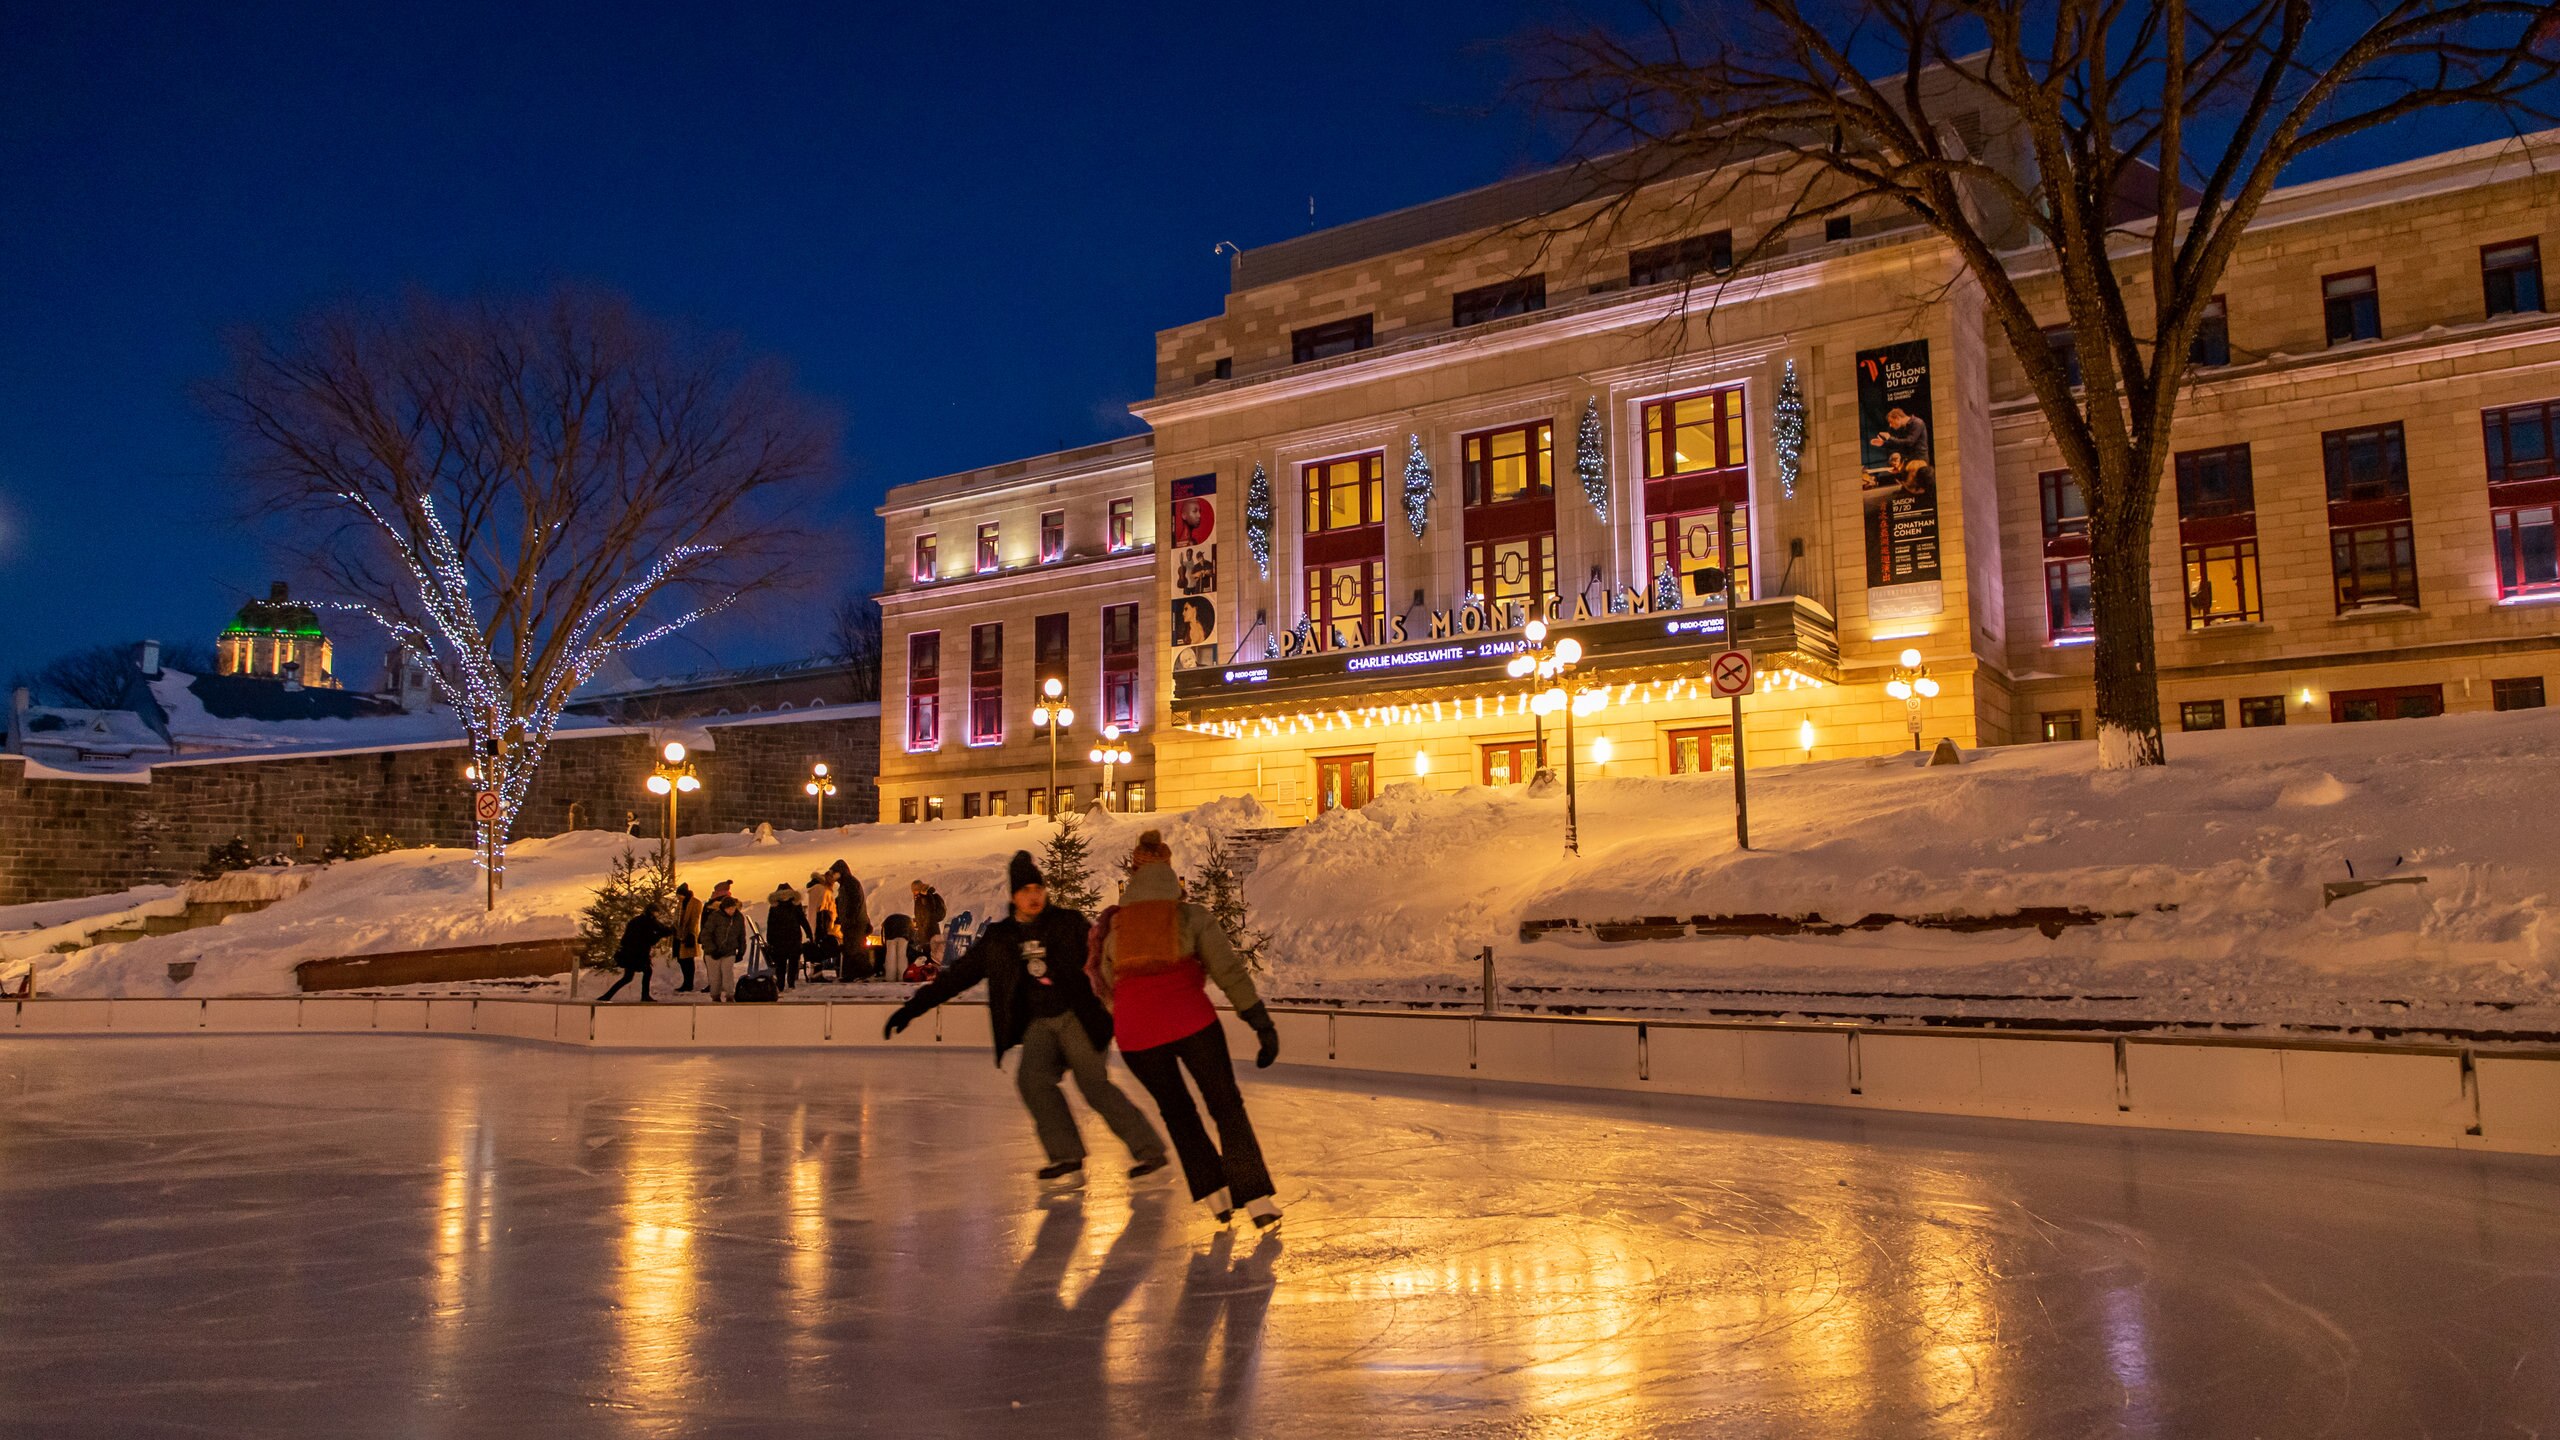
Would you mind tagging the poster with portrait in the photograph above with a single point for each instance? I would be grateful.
(1898, 455)
(1194, 627)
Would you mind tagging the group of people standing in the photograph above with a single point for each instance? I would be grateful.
(824, 929)
(1063, 987)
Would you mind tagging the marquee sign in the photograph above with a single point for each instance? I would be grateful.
(1786, 625)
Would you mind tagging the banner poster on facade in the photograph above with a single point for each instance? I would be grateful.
(1194, 627)
(1898, 451)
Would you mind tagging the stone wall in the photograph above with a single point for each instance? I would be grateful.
(65, 836)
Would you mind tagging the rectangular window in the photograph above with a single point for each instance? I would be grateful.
(2351, 305)
(1053, 536)
(2218, 536)
(2522, 692)
(1346, 494)
(1345, 596)
(1699, 751)
(2373, 552)
(1038, 801)
(907, 810)
(1223, 368)
(1124, 523)
(924, 690)
(988, 558)
(1513, 762)
(1120, 666)
(2260, 711)
(2212, 345)
(986, 684)
(1339, 337)
(2528, 552)
(1133, 797)
(1686, 542)
(1696, 255)
(924, 568)
(2524, 496)
(972, 805)
(2511, 277)
(1501, 571)
(1049, 649)
(2065, 348)
(1066, 799)
(996, 802)
(2396, 702)
(1498, 301)
(2200, 715)
(2067, 614)
(2524, 442)
(2060, 724)
(1506, 465)
(1697, 434)
(1697, 486)
(1838, 227)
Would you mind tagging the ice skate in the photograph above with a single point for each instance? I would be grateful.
(1063, 1174)
(1145, 1168)
(1265, 1212)
(1220, 1208)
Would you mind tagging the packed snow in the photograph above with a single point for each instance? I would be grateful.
(2214, 865)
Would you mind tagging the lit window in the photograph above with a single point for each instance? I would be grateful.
(986, 684)
(1053, 536)
(2259, 711)
(924, 690)
(2200, 715)
(988, 558)
(2218, 536)
(924, 569)
(1506, 465)
(1124, 523)
(1346, 494)
(2060, 724)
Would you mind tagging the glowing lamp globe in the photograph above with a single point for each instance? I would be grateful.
(660, 785)
(1052, 688)
(1520, 666)
(674, 753)
(1039, 714)
(687, 784)
(1536, 630)
(1066, 716)
(1568, 651)
(819, 770)
(1926, 686)
(1910, 659)
(1898, 689)
(811, 788)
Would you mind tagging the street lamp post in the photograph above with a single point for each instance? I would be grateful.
(1911, 685)
(818, 789)
(1554, 665)
(1053, 717)
(1107, 755)
(673, 776)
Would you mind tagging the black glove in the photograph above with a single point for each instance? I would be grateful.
(899, 1020)
(1259, 1017)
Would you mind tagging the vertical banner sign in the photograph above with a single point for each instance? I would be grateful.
(1898, 450)
(1194, 623)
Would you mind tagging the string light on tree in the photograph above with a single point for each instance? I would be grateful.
(1591, 459)
(1786, 429)
(1417, 486)
(1257, 520)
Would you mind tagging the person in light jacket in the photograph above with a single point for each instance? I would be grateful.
(1159, 951)
(724, 940)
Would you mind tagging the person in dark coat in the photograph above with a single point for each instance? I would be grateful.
(1038, 998)
(928, 917)
(640, 935)
(853, 924)
(786, 931)
(724, 940)
(687, 934)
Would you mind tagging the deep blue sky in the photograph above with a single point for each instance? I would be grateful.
(961, 225)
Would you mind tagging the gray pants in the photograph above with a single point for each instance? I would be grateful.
(724, 976)
(1054, 1047)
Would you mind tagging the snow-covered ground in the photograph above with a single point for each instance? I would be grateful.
(2217, 860)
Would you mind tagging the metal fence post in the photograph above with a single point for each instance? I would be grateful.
(1489, 1003)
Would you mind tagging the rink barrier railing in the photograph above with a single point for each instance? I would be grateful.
(2386, 1092)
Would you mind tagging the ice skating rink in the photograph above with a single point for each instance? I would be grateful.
(393, 1236)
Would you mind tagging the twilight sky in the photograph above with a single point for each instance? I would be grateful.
(962, 225)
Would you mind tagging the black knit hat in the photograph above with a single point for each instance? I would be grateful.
(1023, 871)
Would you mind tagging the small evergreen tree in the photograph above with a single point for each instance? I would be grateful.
(1786, 428)
(1666, 588)
(1417, 486)
(1219, 890)
(1066, 867)
(1257, 519)
(1591, 458)
(232, 854)
(630, 886)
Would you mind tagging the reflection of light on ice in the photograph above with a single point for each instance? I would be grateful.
(661, 1177)
(808, 1181)
(465, 1200)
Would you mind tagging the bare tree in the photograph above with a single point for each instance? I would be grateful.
(519, 491)
(97, 678)
(854, 634)
(2151, 131)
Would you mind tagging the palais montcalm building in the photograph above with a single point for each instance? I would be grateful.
(1406, 436)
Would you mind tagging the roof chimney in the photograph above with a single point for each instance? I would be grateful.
(146, 658)
(275, 592)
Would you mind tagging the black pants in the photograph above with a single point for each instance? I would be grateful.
(1204, 1053)
(685, 962)
(641, 970)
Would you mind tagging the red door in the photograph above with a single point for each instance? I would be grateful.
(1343, 781)
(1511, 763)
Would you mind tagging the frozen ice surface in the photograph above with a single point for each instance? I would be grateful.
(287, 1236)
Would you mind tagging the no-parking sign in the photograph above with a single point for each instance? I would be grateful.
(1730, 674)
(484, 807)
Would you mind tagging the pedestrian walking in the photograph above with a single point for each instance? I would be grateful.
(640, 935)
(1158, 954)
(928, 918)
(853, 924)
(688, 934)
(724, 941)
(786, 934)
(1038, 997)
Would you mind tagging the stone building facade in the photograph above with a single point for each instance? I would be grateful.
(1404, 437)
(1000, 580)
(64, 835)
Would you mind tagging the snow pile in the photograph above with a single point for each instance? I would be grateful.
(2218, 858)
(429, 899)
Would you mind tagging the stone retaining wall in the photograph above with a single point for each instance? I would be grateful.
(67, 836)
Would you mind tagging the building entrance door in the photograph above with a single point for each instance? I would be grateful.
(1343, 781)
(1513, 762)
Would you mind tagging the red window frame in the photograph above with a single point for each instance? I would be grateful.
(1519, 762)
(1367, 607)
(1717, 480)
(1703, 740)
(926, 566)
(1321, 480)
(986, 684)
(1526, 519)
(1120, 666)
(924, 690)
(1050, 647)
(2218, 528)
(1053, 536)
(2390, 702)
(2369, 506)
(2066, 555)
(2523, 463)
(1345, 782)
(989, 549)
(1124, 523)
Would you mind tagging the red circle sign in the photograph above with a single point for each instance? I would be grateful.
(484, 805)
(1730, 674)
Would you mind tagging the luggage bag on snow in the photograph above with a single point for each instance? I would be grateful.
(757, 986)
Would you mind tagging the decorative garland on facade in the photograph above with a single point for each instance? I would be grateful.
(1591, 460)
(1257, 519)
(1786, 428)
(1417, 486)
